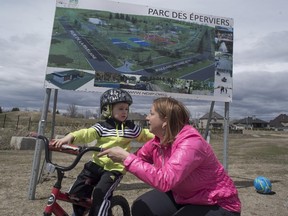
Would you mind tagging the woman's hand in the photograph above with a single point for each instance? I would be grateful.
(117, 154)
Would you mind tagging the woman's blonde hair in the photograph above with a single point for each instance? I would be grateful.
(176, 114)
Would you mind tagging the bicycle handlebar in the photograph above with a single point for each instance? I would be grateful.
(66, 148)
(79, 151)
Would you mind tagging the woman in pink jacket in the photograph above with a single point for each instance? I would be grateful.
(181, 166)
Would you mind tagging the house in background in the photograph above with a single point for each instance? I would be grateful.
(138, 119)
(280, 122)
(252, 123)
(217, 121)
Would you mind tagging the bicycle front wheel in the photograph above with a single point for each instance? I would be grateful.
(119, 206)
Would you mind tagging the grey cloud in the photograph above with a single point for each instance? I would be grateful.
(270, 48)
(20, 55)
(23, 98)
(263, 94)
(260, 85)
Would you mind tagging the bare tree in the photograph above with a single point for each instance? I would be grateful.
(98, 112)
(88, 114)
(72, 111)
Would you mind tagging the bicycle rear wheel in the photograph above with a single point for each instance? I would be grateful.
(119, 206)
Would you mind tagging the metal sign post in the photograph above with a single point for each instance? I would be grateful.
(226, 132)
(209, 120)
(38, 147)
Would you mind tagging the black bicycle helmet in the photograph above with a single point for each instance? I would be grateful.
(113, 96)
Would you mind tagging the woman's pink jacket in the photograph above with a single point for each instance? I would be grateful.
(188, 167)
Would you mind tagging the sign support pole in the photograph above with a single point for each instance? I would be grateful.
(226, 132)
(54, 113)
(38, 147)
(209, 120)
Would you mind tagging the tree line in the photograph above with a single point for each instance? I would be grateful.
(14, 109)
(28, 123)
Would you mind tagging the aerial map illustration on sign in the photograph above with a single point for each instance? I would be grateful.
(146, 50)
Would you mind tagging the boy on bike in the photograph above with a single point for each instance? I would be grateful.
(100, 176)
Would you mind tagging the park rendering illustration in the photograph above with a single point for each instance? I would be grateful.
(131, 51)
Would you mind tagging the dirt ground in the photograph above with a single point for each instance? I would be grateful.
(250, 154)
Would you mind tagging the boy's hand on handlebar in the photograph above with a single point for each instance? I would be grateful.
(117, 154)
(65, 140)
(57, 143)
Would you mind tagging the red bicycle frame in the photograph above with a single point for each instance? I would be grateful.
(56, 193)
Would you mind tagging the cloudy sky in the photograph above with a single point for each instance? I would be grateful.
(260, 58)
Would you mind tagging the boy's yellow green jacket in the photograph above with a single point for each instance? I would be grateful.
(109, 134)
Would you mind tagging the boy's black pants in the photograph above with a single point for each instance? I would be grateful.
(93, 181)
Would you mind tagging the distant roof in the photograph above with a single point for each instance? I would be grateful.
(251, 120)
(279, 121)
(214, 115)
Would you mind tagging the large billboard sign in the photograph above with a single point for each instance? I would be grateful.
(146, 50)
